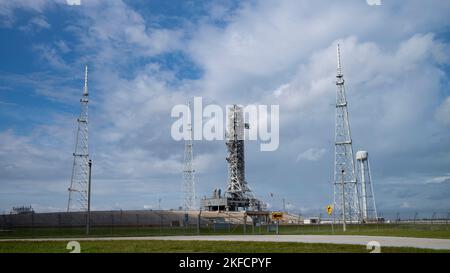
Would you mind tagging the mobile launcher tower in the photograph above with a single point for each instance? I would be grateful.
(238, 196)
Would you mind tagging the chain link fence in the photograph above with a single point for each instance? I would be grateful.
(163, 223)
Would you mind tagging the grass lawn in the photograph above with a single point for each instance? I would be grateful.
(195, 246)
(400, 230)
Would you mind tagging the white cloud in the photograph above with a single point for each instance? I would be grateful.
(35, 24)
(44, 84)
(274, 52)
(116, 30)
(50, 56)
(405, 205)
(8, 9)
(443, 112)
(62, 46)
(74, 2)
(312, 154)
(439, 179)
(279, 91)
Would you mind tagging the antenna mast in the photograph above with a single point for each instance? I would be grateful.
(79, 182)
(188, 172)
(346, 201)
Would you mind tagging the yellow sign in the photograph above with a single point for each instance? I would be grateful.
(277, 215)
(329, 209)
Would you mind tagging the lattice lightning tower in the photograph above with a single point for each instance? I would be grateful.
(188, 171)
(346, 197)
(78, 190)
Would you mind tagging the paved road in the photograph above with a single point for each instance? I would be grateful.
(328, 239)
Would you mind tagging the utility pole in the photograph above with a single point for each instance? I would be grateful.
(88, 222)
(273, 202)
(198, 221)
(343, 203)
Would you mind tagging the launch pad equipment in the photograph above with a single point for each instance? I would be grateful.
(238, 196)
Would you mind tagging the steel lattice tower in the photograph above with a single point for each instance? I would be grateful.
(367, 200)
(346, 198)
(238, 192)
(78, 190)
(237, 186)
(188, 171)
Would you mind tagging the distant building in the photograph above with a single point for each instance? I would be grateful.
(310, 221)
(22, 210)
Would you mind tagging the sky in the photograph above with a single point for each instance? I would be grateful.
(145, 57)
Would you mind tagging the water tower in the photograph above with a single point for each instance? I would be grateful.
(367, 197)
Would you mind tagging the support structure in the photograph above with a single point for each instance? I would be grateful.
(346, 201)
(188, 171)
(238, 196)
(237, 186)
(238, 193)
(367, 199)
(88, 217)
(79, 182)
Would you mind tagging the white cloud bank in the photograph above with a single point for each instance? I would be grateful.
(394, 65)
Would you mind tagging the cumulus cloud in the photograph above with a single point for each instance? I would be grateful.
(36, 24)
(443, 112)
(8, 10)
(73, 2)
(311, 154)
(272, 52)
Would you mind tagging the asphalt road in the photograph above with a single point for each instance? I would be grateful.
(384, 241)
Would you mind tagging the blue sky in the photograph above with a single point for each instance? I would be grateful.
(145, 57)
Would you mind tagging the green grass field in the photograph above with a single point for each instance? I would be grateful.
(195, 246)
(398, 230)
(401, 230)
